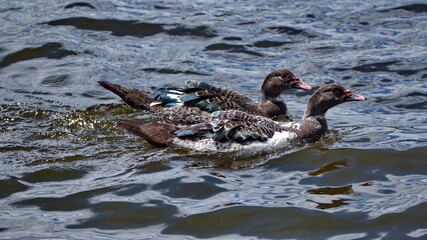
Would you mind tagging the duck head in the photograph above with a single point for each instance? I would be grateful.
(280, 80)
(328, 96)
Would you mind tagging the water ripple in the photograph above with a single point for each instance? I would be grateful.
(69, 172)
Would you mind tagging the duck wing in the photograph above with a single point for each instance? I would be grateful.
(232, 125)
(215, 98)
(206, 97)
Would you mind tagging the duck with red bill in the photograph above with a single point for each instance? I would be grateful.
(235, 130)
(194, 102)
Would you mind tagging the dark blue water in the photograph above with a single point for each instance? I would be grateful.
(68, 172)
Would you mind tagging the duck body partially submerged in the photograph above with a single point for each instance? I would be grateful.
(235, 130)
(194, 102)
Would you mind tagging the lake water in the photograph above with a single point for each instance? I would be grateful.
(68, 172)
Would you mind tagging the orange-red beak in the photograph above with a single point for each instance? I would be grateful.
(300, 84)
(349, 96)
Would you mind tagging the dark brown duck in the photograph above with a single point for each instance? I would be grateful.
(234, 130)
(194, 102)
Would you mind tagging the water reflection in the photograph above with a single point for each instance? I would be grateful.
(132, 28)
(51, 50)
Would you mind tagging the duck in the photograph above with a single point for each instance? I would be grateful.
(235, 130)
(195, 102)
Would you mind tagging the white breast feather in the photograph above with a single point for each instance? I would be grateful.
(176, 92)
(294, 125)
(280, 140)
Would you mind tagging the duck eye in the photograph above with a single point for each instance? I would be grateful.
(337, 91)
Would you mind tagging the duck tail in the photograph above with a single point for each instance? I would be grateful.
(158, 134)
(133, 97)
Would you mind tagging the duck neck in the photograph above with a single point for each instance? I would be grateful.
(311, 111)
(315, 107)
(270, 98)
(271, 107)
(264, 98)
(316, 112)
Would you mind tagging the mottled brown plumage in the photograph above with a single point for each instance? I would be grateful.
(204, 98)
(244, 128)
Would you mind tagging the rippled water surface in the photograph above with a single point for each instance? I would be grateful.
(68, 172)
